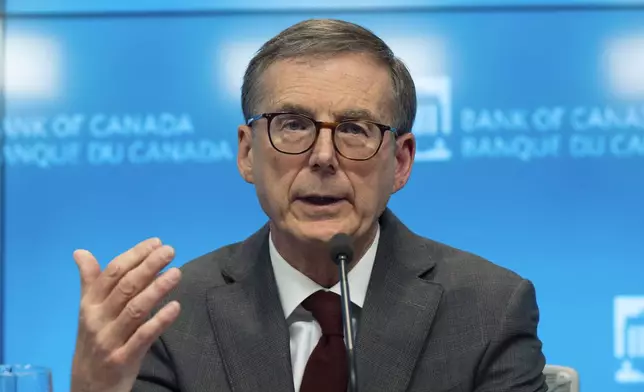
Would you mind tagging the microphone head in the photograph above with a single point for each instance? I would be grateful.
(341, 245)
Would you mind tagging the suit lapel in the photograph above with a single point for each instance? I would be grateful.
(400, 306)
(398, 311)
(249, 323)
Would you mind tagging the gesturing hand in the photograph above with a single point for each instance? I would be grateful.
(115, 330)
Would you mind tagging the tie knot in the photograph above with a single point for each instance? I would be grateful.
(327, 310)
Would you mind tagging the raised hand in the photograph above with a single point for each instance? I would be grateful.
(115, 329)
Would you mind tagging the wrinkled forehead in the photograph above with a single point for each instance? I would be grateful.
(331, 88)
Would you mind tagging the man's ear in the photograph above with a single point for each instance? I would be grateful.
(245, 152)
(405, 150)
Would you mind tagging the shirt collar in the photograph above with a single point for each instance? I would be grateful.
(294, 287)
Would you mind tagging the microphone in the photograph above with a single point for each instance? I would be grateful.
(341, 251)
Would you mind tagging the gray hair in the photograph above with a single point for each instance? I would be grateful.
(328, 37)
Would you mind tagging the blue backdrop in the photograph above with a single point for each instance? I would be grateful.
(531, 153)
(102, 6)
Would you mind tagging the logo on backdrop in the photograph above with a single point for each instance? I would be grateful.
(114, 139)
(433, 125)
(629, 339)
(445, 130)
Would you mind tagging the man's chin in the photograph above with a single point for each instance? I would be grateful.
(321, 231)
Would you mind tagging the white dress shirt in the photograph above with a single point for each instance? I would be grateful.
(294, 287)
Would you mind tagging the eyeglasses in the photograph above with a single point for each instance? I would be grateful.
(292, 133)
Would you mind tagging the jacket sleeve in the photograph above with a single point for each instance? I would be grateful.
(157, 371)
(514, 361)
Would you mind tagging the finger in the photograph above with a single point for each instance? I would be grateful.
(139, 343)
(121, 265)
(136, 312)
(136, 280)
(88, 268)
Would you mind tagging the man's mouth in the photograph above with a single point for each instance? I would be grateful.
(320, 200)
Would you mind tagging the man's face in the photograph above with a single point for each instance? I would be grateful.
(356, 192)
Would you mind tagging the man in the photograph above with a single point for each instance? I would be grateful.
(327, 141)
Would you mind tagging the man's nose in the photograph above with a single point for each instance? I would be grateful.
(323, 156)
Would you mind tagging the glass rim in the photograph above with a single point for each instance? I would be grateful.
(347, 154)
(22, 370)
(338, 143)
(318, 125)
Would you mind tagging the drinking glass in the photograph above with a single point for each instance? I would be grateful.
(25, 378)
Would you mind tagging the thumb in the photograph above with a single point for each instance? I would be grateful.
(88, 268)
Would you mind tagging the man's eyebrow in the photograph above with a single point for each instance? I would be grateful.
(348, 114)
(295, 108)
(356, 114)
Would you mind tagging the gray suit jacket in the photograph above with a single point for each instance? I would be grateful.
(434, 319)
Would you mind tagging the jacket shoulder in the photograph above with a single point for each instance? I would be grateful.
(456, 264)
(204, 272)
(468, 277)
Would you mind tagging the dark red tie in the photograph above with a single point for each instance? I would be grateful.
(327, 367)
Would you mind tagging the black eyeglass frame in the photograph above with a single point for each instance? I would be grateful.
(318, 126)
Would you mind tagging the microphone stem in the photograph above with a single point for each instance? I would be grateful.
(348, 324)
